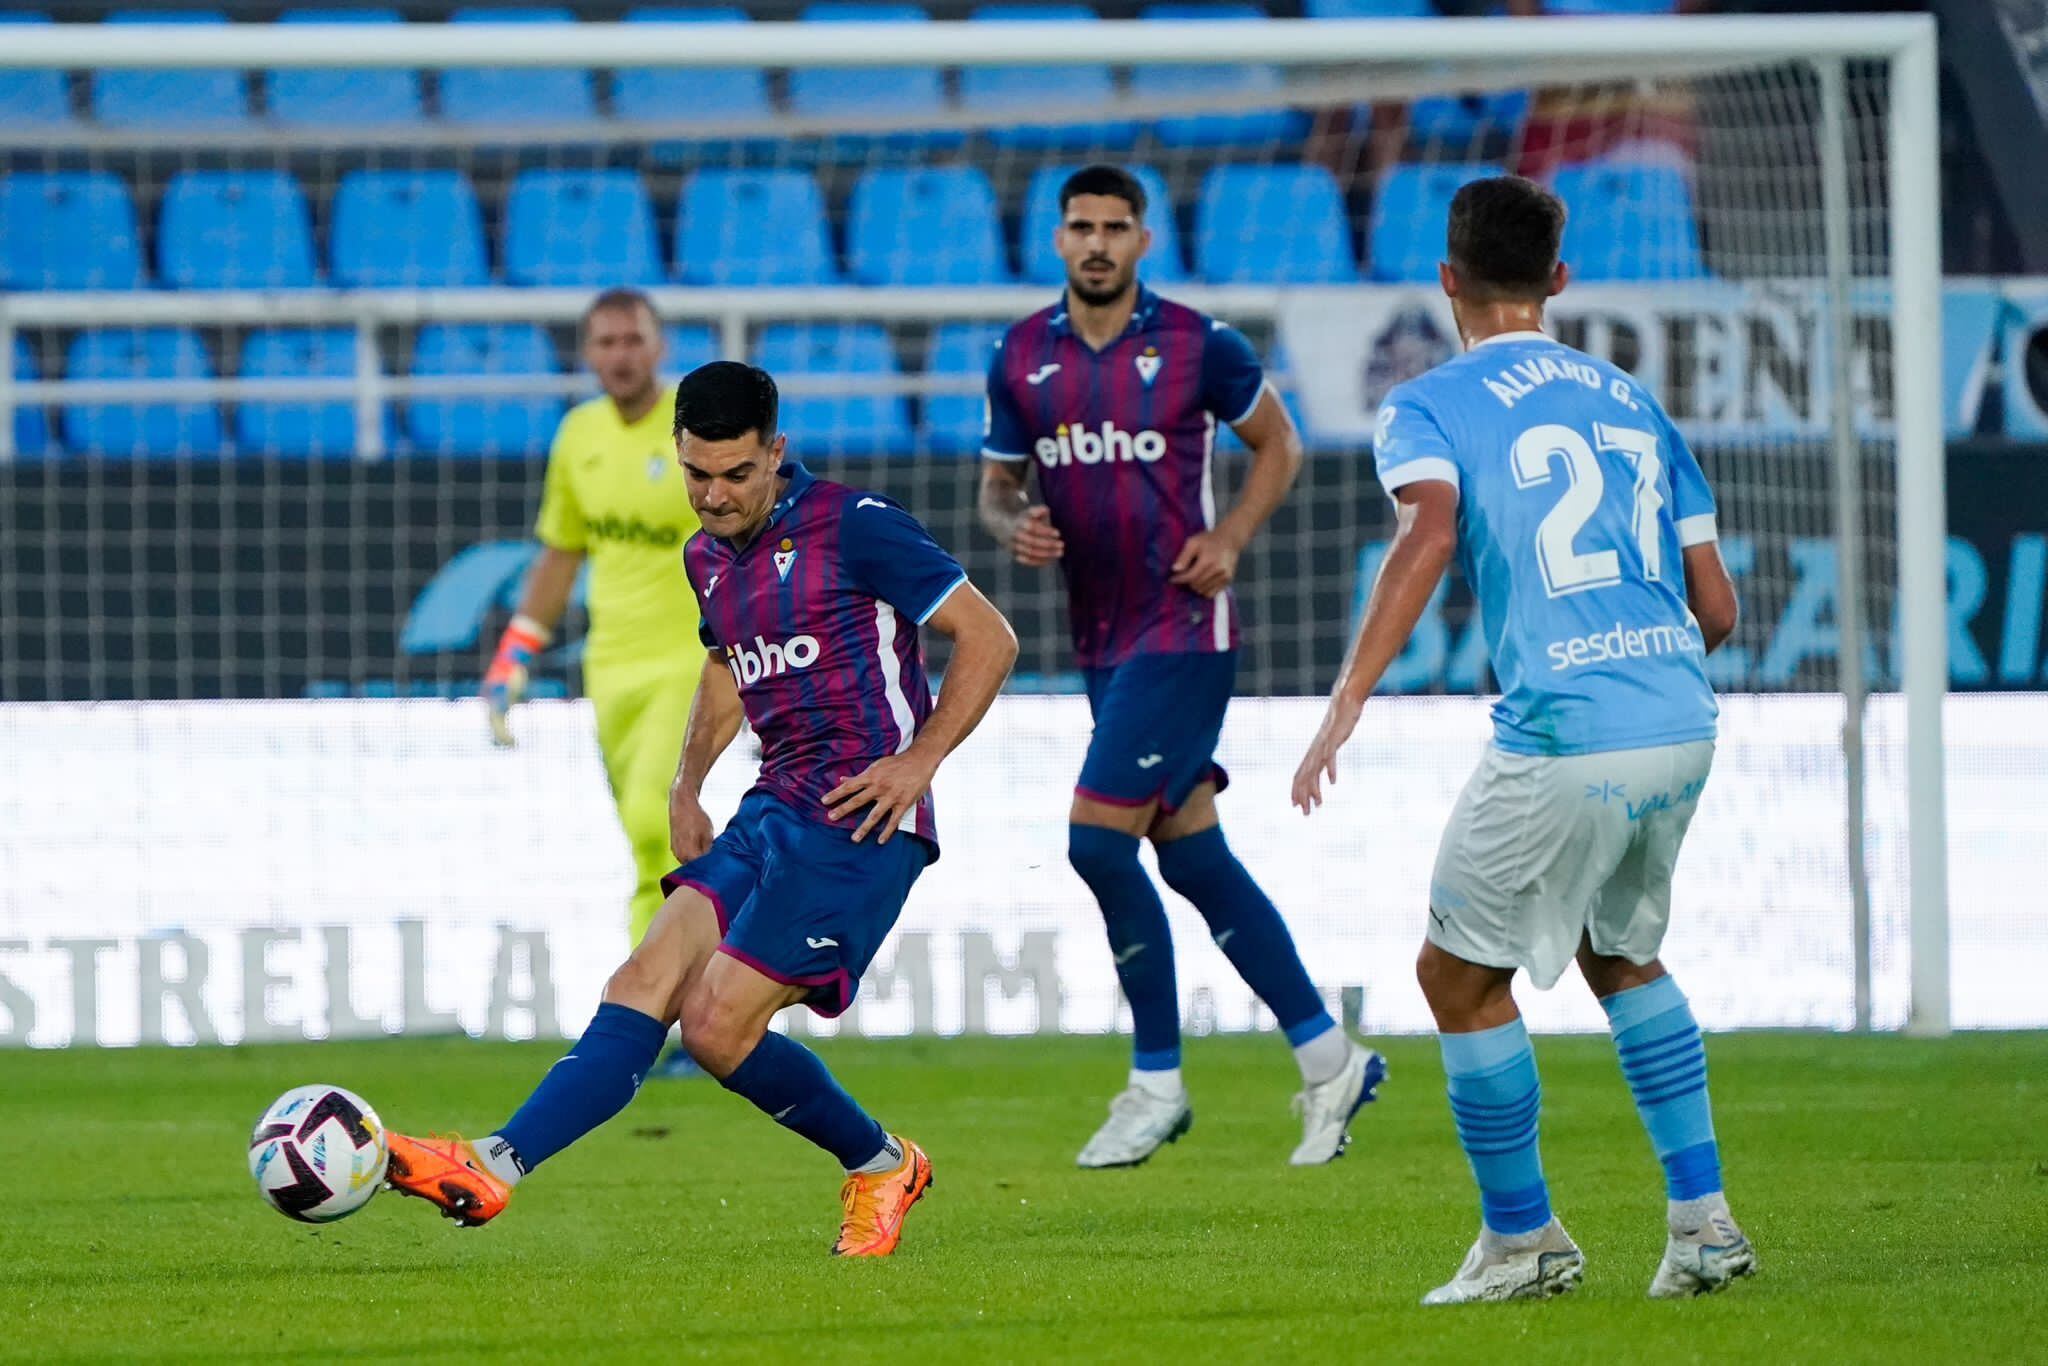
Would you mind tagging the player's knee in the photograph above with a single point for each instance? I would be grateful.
(716, 1033)
(647, 982)
(1101, 855)
(1192, 863)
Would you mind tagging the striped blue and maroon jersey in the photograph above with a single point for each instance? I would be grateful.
(1124, 439)
(817, 617)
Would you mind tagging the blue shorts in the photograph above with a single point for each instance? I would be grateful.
(800, 902)
(1157, 720)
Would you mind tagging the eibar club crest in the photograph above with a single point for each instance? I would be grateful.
(1148, 365)
(785, 556)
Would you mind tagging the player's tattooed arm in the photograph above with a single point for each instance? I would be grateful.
(984, 648)
(1425, 538)
(1207, 563)
(714, 721)
(1009, 515)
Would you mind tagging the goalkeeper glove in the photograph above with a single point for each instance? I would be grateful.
(505, 680)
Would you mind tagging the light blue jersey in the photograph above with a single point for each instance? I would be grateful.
(1576, 498)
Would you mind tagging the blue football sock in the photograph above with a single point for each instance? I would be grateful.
(792, 1086)
(1107, 861)
(1666, 1066)
(1494, 1098)
(587, 1086)
(1248, 929)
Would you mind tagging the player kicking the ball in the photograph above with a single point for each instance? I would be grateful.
(1587, 531)
(1114, 394)
(813, 594)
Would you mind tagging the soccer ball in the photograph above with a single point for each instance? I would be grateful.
(318, 1154)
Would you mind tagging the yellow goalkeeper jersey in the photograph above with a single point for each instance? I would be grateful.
(615, 492)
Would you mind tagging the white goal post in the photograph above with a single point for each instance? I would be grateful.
(1398, 59)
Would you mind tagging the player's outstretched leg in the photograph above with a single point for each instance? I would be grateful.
(1152, 1110)
(1522, 1251)
(1665, 1062)
(1338, 1075)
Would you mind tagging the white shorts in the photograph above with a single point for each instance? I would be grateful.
(1544, 850)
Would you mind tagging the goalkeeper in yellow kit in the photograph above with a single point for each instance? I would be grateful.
(614, 495)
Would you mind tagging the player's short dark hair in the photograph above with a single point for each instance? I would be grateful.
(621, 297)
(1102, 178)
(1504, 236)
(727, 399)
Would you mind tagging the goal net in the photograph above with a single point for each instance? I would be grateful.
(292, 315)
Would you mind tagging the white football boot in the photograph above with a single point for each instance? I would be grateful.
(1139, 1124)
(1531, 1266)
(1326, 1110)
(1699, 1261)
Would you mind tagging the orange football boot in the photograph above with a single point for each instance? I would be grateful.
(446, 1170)
(875, 1204)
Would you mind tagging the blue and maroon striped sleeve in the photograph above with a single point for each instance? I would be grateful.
(890, 556)
(1232, 379)
(1003, 435)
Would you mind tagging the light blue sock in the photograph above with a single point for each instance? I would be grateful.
(1666, 1066)
(1494, 1098)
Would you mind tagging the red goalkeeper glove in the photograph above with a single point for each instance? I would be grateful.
(505, 680)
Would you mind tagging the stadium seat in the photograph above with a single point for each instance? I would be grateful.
(688, 345)
(180, 98)
(712, 94)
(483, 425)
(1629, 222)
(504, 94)
(31, 424)
(1570, 7)
(343, 98)
(937, 226)
(900, 91)
(1410, 215)
(298, 428)
(836, 424)
(68, 230)
(407, 229)
(1272, 225)
(753, 228)
(235, 230)
(1458, 125)
(1025, 90)
(584, 228)
(1164, 264)
(1284, 127)
(32, 97)
(119, 430)
(1371, 9)
(953, 423)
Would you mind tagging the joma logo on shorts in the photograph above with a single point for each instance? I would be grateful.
(770, 658)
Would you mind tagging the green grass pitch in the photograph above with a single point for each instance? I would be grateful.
(1897, 1192)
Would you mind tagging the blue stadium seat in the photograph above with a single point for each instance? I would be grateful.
(1461, 124)
(483, 425)
(503, 94)
(1025, 90)
(1410, 215)
(235, 230)
(836, 424)
(300, 428)
(1272, 225)
(753, 228)
(32, 97)
(31, 424)
(337, 97)
(1281, 126)
(1371, 9)
(710, 93)
(407, 229)
(826, 92)
(953, 423)
(932, 226)
(68, 230)
(1629, 222)
(688, 345)
(1042, 266)
(585, 228)
(170, 98)
(1610, 6)
(141, 429)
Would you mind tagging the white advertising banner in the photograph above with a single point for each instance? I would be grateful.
(226, 871)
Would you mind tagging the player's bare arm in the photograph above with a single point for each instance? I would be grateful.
(1425, 538)
(1710, 593)
(984, 648)
(715, 716)
(1207, 562)
(541, 605)
(1011, 517)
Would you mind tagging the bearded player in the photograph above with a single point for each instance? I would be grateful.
(813, 595)
(1113, 396)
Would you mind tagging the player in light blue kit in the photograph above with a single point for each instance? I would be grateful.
(1587, 531)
